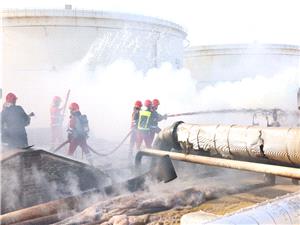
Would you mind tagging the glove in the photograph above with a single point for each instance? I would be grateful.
(31, 114)
(155, 129)
(165, 116)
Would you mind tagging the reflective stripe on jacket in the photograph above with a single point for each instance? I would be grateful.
(144, 118)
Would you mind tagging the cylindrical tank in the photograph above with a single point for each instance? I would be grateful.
(214, 63)
(48, 40)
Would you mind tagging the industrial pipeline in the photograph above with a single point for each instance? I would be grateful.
(284, 210)
(271, 150)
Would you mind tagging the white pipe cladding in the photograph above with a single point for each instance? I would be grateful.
(285, 210)
(276, 143)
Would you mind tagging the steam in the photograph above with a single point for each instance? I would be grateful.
(277, 91)
(106, 93)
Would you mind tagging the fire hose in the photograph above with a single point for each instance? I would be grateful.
(258, 110)
(113, 150)
(94, 151)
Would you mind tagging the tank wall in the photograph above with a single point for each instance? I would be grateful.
(166, 51)
(45, 40)
(209, 64)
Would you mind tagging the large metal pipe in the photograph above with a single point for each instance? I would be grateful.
(271, 144)
(227, 163)
(41, 210)
(285, 210)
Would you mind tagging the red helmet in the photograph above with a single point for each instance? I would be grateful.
(148, 103)
(56, 99)
(74, 106)
(138, 104)
(155, 102)
(11, 98)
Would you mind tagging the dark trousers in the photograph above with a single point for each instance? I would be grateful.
(15, 138)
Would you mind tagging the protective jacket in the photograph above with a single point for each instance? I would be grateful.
(13, 123)
(135, 117)
(78, 126)
(78, 133)
(56, 116)
(145, 120)
(156, 117)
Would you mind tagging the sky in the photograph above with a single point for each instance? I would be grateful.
(207, 22)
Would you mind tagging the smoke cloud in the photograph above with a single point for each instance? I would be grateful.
(106, 94)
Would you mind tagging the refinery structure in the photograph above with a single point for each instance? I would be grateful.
(194, 173)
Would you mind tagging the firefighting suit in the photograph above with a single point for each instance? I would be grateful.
(78, 134)
(133, 127)
(156, 117)
(13, 123)
(143, 129)
(56, 125)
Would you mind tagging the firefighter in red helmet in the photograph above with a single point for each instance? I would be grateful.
(143, 126)
(56, 120)
(156, 117)
(78, 131)
(13, 123)
(134, 121)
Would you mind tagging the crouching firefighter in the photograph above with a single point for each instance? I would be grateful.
(78, 132)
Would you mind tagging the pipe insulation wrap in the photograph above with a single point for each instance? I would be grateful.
(283, 210)
(279, 144)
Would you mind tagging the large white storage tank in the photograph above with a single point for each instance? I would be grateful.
(37, 41)
(215, 63)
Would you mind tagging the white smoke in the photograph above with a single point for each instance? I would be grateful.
(107, 94)
(277, 91)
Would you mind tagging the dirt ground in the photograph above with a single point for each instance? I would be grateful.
(228, 203)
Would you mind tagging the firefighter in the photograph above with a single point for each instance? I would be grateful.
(56, 119)
(143, 126)
(156, 117)
(78, 131)
(134, 121)
(13, 123)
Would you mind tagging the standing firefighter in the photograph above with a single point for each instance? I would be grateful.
(78, 131)
(13, 123)
(134, 122)
(143, 126)
(156, 117)
(56, 117)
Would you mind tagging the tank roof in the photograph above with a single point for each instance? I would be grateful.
(79, 13)
(252, 48)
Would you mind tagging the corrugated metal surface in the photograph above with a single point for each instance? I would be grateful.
(285, 210)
